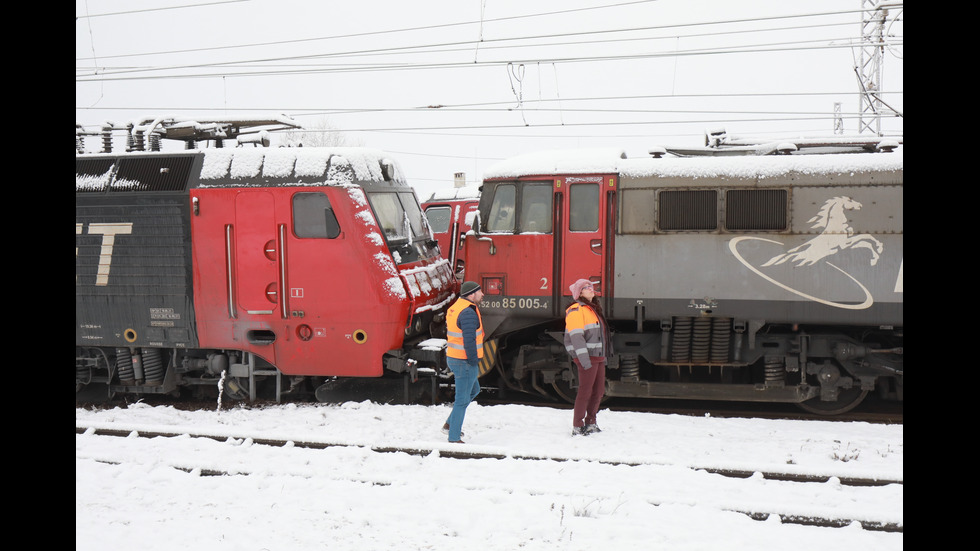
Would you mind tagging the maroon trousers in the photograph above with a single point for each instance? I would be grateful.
(591, 387)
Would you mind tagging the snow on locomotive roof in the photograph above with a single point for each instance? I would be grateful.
(310, 162)
(615, 161)
(465, 192)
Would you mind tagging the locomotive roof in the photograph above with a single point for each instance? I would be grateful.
(241, 166)
(615, 161)
(317, 163)
(458, 193)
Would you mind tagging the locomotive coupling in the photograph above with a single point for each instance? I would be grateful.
(214, 364)
(848, 351)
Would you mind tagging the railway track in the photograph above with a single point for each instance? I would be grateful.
(872, 411)
(791, 486)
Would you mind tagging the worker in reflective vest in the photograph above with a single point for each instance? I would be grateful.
(589, 344)
(464, 348)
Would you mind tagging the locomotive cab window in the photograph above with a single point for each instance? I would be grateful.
(413, 213)
(399, 215)
(535, 208)
(583, 212)
(438, 218)
(502, 206)
(524, 208)
(313, 217)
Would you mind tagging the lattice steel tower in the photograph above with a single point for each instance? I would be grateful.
(873, 16)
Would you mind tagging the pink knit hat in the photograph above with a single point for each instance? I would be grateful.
(576, 288)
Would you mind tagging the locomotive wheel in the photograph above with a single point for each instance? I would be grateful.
(236, 388)
(565, 391)
(846, 401)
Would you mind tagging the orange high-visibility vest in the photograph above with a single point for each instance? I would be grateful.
(454, 335)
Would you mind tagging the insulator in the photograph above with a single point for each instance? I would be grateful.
(153, 366)
(107, 139)
(629, 368)
(154, 142)
(190, 144)
(79, 144)
(124, 366)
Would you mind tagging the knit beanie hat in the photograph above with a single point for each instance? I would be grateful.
(468, 288)
(576, 288)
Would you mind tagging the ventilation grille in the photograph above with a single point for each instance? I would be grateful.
(688, 210)
(755, 209)
(152, 174)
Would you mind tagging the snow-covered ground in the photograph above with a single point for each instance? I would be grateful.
(155, 494)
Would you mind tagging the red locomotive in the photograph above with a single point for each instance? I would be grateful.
(450, 217)
(746, 272)
(247, 263)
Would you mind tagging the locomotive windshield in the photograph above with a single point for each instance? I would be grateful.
(532, 203)
(399, 216)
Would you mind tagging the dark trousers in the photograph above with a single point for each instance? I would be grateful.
(591, 388)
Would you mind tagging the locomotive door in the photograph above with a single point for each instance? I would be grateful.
(583, 229)
(256, 252)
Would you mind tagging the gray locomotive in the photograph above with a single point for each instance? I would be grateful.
(768, 272)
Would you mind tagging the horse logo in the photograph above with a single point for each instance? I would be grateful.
(836, 236)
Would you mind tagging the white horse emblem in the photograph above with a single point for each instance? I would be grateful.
(836, 236)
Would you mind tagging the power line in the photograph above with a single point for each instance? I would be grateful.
(466, 64)
(129, 12)
(319, 110)
(198, 51)
(826, 116)
(464, 46)
(344, 62)
(375, 33)
(470, 43)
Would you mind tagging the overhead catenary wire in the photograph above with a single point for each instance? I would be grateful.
(162, 8)
(200, 50)
(465, 64)
(507, 106)
(485, 43)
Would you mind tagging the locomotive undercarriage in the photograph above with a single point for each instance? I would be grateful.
(713, 358)
(101, 373)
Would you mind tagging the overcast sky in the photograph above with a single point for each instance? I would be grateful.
(455, 85)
